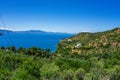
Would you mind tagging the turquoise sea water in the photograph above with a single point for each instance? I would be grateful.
(32, 40)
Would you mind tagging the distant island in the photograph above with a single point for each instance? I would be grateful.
(31, 32)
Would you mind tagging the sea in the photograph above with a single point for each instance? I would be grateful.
(25, 40)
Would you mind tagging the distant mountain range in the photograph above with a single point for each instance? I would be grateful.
(5, 31)
(30, 32)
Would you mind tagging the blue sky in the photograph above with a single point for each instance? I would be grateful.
(70, 16)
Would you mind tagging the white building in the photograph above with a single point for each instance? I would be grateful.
(78, 45)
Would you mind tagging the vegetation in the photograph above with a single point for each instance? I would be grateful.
(101, 42)
(97, 57)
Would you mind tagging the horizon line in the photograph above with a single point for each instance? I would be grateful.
(3, 28)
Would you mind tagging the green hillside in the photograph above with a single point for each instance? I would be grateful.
(100, 42)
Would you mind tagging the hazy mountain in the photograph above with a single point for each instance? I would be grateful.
(5, 31)
(30, 32)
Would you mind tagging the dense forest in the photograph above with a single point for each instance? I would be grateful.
(85, 56)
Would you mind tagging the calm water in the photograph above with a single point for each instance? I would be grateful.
(32, 40)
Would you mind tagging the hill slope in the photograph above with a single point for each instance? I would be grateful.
(100, 42)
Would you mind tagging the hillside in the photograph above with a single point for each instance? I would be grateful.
(100, 42)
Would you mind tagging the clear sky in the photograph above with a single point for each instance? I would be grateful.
(70, 16)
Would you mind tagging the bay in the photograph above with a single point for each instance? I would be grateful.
(25, 40)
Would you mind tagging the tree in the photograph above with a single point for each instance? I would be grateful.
(47, 53)
(21, 74)
(80, 74)
(68, 74)
(12, 48)
(48, 70)
(2, 47)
